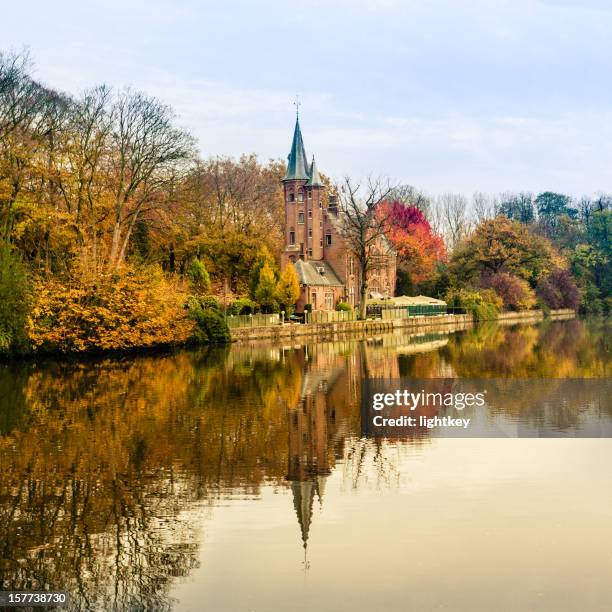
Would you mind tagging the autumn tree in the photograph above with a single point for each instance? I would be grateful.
(150, 153)
(502, 244)
(265, 293)
(418, 248)
(288, 288)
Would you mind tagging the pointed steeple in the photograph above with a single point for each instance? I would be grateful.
(297, 167)
(315, 179)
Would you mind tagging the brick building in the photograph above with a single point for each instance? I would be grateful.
(327, 270)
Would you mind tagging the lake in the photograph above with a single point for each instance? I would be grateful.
(240, 479)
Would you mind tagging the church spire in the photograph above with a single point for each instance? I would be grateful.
(315, 179)
(297, 167)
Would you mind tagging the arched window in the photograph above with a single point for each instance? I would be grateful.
(291, 196)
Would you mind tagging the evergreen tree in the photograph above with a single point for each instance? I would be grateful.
(198, 277)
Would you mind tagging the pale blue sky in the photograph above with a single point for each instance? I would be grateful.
(446, 95)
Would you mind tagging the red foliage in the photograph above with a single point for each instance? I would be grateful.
(558, 290)
(514, 291)
(418, 248)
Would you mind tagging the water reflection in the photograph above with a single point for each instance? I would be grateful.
(107, 467)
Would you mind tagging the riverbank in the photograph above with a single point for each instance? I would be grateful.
(419, 324)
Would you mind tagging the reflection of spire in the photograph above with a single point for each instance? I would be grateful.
(303, 496)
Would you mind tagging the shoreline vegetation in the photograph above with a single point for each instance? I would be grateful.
(116, 236)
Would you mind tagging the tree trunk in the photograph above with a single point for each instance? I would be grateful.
(363, 296)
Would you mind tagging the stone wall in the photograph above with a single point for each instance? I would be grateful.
(415, 324)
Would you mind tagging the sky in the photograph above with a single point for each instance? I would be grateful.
(445, 95)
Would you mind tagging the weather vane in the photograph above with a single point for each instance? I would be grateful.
(297, 105)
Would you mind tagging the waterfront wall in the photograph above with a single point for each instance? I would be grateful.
(416, 324)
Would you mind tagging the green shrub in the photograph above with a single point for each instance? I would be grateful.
(15, 303)
(211, 327)
(483, 305)
(242, 306)
(343, 307)
(307, 307)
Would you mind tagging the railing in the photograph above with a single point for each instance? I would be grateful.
(331, 316)
(256, 320)
(390, 312)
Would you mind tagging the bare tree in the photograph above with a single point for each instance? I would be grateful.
(149, 154)
(363, 226)
(484, 206)
(455, 221)
(412, 196)
(26, 116)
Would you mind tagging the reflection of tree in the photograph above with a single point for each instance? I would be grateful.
(102, 461)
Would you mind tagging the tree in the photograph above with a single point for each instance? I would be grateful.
(363, 227)
(265, 293)
(198, 277)
(453, 212)
(27, 110)
(484, 206)
(411, 196)
(518, 206)
(288, 288)
(550, 207)
(150, 153)
(14, 302)
(263, 257)
(514, 291)
(419, 250)
(502, 244)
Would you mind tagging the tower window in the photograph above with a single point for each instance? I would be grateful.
(309, 195)
(321, 242)
(328, 239)
(292, 197)
(291, 237)
(301, 217)
(309, 213)
(300, 196)
(310, 233)
(309, 252)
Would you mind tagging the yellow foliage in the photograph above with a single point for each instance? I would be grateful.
(128, 308)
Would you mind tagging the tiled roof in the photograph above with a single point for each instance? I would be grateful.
(297, 166)
(317, 273)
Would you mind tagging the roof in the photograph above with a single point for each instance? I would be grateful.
(297, 166)
(315, 179)
(309, 274)
(417, 300)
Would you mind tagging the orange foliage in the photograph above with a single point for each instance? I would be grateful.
(131, 307)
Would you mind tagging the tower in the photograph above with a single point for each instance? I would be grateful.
(303, 193)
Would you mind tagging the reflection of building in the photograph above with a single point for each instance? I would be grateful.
(311, 424)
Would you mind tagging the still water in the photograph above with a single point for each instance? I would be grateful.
(238, 479)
